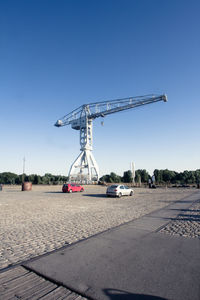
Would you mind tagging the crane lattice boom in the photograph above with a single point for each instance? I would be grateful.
(81, 119)
(104, 108)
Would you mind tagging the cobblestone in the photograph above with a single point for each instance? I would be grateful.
(187, 224)
(44, 219)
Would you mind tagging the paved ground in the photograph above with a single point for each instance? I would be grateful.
(40, 221)
(132, 261)
(170, 262)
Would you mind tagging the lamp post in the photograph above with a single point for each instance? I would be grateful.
(23, 170)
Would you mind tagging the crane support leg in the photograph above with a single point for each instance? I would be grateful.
(84, 169)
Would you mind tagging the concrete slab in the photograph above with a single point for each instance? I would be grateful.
(130, 262)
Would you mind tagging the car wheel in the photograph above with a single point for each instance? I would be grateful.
(81, 190)
(131, 193)
(70, 191)
(120, 194)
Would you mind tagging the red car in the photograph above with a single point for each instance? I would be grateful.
(72, 187)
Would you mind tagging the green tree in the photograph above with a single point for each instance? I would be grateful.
(36, 179)
(31, 178)
(142, 174)
(168, 175)
(127, 177)
(115, 178)
(105, 178)
(8, 178)
(197, 176)
(158, 175)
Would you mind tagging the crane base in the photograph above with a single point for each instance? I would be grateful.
(84, 169)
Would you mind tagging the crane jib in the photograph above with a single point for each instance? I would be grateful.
(103, 108)
(126, 107)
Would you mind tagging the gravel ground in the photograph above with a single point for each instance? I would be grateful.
(36, 222)
(187, 224)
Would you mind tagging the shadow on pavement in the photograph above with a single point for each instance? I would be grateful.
(185, 201)
(187, 216)
(96, 195)
(186, 210)
(181, 217)
(114, 294)
(54, 192)
(179, 201)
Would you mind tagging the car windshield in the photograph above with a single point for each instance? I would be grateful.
(114, 186)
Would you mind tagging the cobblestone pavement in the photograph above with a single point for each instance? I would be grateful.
(44, 219)
(187, 224)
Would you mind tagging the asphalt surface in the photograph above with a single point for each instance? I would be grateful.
(132, 261)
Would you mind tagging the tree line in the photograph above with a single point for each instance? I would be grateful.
(161, 177)
(12, 178)
(141, 176)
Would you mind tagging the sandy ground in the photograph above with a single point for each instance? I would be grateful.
(39, 221)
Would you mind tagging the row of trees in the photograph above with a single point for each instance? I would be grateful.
(141, 176)
(186, 177)
(12, 178)
(161, 177)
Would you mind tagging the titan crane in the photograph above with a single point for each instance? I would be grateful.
(81, 119)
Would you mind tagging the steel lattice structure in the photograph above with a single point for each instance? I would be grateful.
(81, 119)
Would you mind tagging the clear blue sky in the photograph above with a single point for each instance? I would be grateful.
(58, 55)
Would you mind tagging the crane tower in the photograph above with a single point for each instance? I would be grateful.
(85, 168)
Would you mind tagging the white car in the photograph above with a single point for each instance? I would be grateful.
(119, 190)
